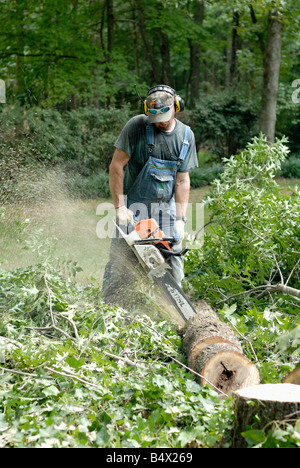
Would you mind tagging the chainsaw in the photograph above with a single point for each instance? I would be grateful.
(152, 249)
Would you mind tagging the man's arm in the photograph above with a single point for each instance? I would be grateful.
(119, 161)
(182, 192)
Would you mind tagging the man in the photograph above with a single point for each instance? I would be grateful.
(157, 152)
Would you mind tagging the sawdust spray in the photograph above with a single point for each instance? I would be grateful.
(40, 211)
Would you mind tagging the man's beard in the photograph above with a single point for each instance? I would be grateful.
(165, 126)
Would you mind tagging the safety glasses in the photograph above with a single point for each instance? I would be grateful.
(164, 110)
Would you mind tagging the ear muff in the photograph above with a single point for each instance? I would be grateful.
(178, 101)
(146, 112)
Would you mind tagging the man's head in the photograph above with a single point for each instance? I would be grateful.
(160, 104)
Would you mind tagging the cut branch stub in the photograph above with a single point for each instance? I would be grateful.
(214, 352)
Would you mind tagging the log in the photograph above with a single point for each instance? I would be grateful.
(258, 406)
(293, 377)
(215, 353)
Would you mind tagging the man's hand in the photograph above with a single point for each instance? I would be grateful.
(124, 216)
(179, 231)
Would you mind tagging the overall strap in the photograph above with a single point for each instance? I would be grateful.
(185, 145)
(150, 136)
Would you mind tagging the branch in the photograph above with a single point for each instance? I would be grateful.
(196, 373)
(180, 363)
(295, 266)
(244, 292)
(52, 316)
(287, 290)
(255, 233)
(72, 376)
(203, 227)
(267, 288)
(278, 268)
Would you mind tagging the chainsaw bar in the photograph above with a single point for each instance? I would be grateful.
(176, 296)
(156, 269)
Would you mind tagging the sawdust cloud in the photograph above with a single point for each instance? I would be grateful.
(39, 206)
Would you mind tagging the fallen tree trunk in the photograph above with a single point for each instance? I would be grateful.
(214, 352)
(212, 347)
(257, 407)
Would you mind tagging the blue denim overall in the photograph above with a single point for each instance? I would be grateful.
(152, 193)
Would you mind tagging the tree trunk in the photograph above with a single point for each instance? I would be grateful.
(149, 50)
(165, 59)
(271, 77)
(214, 352)
(110, 45)
(195, 56)
(235, 46)
(258, 406)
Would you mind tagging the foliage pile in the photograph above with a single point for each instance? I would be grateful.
(76, 373)
(250, 251)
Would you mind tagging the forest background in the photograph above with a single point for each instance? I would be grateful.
(70, 73)
(70, 69)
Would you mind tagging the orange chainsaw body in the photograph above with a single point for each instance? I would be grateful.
(147, 228)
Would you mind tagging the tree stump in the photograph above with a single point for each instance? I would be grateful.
(214, 352)
(257, 406)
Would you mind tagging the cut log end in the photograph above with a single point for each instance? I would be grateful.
(215, 354)
(228, 370)
(281, 392)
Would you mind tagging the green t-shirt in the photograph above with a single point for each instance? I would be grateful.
(133, 142)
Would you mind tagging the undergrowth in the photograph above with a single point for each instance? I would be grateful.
(77, 373)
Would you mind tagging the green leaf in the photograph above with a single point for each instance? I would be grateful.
(75, 363)
(50, 391)
(102, 438)
(254, 436)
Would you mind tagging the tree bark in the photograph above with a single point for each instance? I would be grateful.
(165, 59)
(110, 45)
(214, 352)
(271, 76)
(149, 51)
(258, 406)
(235, 46)
(195, 57)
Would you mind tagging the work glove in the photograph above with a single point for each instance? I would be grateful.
(179, 231)
(124, 216)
